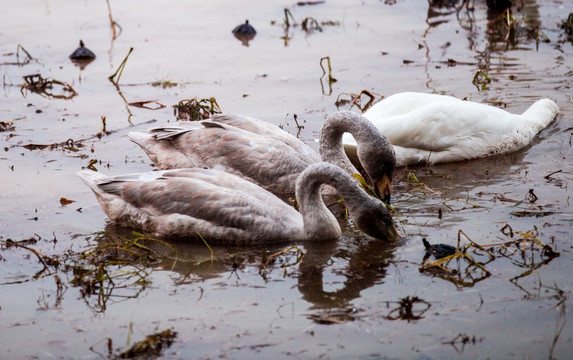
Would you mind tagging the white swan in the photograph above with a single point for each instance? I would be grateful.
(225, 208)
(438, 128)
(265, 154)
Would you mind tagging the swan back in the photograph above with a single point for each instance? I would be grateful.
(437, 128)
(264, 128)
(223, 208)
(273, 162)
(183, 203)
(404, 102)
(263, 153)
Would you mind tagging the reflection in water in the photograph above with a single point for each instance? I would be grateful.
(366, 266)
(362, 262)
(82, 63)
(440, 194)
(503, 31)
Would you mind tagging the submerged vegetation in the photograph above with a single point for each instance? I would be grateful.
(47, 87)
(525, 251)
(196, 109)
(567, 26)
(511, 253)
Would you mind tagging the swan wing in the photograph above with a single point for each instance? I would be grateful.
(264, 128)
(437, 128)
(271, 163)
(182, 203)
(440, 126)
(405, 102)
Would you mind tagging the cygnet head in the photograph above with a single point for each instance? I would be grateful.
(375, 220)
(377, 157)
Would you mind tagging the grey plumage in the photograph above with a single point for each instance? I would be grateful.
(224, 208)
(261, 152)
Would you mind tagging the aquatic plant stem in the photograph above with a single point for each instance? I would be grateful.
(119, 70)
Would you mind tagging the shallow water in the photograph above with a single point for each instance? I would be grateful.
(343, 298)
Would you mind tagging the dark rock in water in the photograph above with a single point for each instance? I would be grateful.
(438, 250)
(82, 53)
(244, 30)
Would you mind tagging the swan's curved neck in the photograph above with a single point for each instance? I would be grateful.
(331, 148)
(319, 222)
(374, 151)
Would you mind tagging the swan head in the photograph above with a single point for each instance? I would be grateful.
(383, 187)
(377, 157)
(375, 220)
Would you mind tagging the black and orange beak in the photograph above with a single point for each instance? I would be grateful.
(393, 233)
(383, 189)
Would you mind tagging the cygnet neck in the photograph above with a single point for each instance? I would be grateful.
(319, 222)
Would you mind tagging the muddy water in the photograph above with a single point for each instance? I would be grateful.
(348, 298)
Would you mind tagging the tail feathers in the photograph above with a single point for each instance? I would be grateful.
(542, 112)
(91, 179)
(166, 132)
(140, 138)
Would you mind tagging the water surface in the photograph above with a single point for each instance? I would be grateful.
(355, 297)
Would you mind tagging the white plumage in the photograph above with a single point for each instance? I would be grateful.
(429, 128)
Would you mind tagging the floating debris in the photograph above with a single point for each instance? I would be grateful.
(245, 32)
(69, 145)
(310, 25)
(337, 316)
(283, 258)
(481, 80)
(146, 104)
(28, 56)
(47, 87)
(194, 109)
(115, 27)
(304, 3)
(164, 84)
(418, 186)
(463, 340)
(567, 25)
(523, 249)
(19, 62)
(115, 268)
(151, 346)
(64, 201)
(287, 23)
(6, 125)
(356, 100)
(532, 213)
(331, 79)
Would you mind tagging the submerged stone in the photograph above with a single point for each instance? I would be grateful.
(82, 53)
(439, 250)
(244, 30)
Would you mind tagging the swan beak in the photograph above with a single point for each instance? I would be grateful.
(393, 233)
(383, 189)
